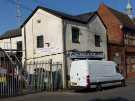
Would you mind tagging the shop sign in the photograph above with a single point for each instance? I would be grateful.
(85, 55)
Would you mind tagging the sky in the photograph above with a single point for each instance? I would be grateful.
(8, 19)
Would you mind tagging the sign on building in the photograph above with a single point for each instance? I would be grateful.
(85, 55)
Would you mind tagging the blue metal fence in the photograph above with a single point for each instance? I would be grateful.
(34, 77)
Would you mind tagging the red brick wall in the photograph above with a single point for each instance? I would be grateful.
(114, 31)
(112, 50)
(115, 38)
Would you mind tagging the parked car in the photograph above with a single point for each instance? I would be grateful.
(94, 74)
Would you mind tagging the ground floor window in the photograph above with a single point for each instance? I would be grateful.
(131, 63)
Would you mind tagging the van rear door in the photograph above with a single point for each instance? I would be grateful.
(79, 73)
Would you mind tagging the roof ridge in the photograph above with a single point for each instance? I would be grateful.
(53, 10)
(90, 12)
(56, 13)
(66, 13)
(11, 33)
(117, 11)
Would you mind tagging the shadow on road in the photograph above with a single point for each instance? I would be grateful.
(95, 90)
(113, 99)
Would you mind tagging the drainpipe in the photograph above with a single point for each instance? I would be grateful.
(107, 45)
(125, 62)
(25, 43)
(33, 41)
(124, 46)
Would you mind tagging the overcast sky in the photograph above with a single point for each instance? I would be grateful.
(8, 18)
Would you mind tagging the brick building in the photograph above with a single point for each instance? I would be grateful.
(121, 38)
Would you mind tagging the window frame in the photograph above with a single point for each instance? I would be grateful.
(40, 44)
(75, 37)
(17, 44)
(97, 40)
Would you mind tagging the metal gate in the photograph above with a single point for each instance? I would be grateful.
(43, 76)
(16, 79)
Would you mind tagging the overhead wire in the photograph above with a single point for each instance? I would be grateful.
(29, 9)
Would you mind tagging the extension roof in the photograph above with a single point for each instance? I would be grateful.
(11, 34)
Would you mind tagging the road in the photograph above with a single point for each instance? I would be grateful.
(113, 94)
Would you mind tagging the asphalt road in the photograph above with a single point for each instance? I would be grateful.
(112, 94)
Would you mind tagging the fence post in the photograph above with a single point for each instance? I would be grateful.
(51, 76)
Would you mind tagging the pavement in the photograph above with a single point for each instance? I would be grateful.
(112, 94)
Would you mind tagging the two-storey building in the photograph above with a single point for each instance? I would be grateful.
(49, 34)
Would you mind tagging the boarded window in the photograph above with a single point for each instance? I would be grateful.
(40, 41)
(75, 35)
(97, 40)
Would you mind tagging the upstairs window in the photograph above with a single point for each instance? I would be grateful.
(40, 41)
(97, 40)
(75, 35)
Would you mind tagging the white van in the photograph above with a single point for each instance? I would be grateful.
(94, 73)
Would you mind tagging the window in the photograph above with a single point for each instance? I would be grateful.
(97, 40)
(40, 41)
(75, 35)
(19, 45)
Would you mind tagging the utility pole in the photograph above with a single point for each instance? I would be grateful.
(18, 19)
(18, 12)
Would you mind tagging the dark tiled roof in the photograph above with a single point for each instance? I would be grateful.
(83, 18)
(11, 33)
(123, 18)
(57, 13)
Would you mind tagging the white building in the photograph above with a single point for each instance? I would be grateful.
(49, 34)
(10, 39)
(11, 43)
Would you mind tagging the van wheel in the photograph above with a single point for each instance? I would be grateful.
(123, 84)
(99, 87)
